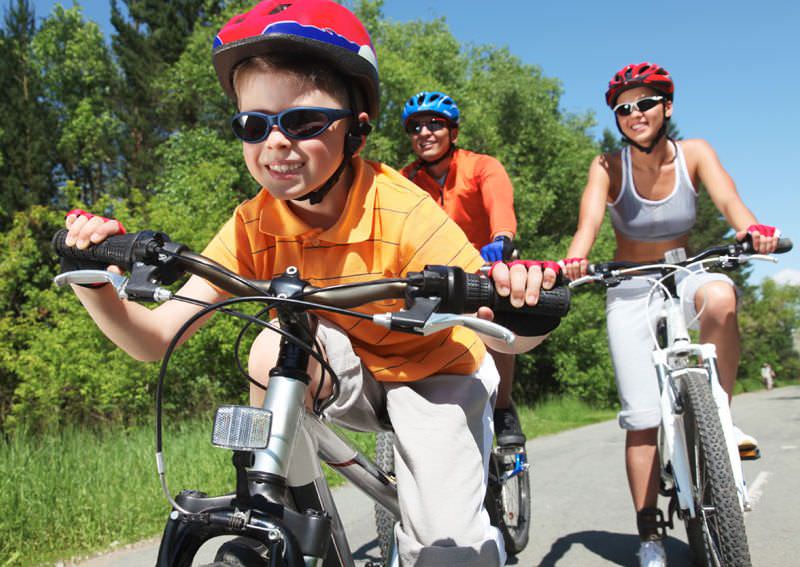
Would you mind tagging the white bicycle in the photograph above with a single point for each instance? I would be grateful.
(701, 470)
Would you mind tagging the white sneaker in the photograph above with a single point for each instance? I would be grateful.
(652, 554)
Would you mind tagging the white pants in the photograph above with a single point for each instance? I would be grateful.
(630, 342)
(443, 435)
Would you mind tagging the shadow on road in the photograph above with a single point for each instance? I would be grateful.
(619, 549)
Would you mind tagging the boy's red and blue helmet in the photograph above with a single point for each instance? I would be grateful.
(321, 29)
(433, 101)
(639, 75)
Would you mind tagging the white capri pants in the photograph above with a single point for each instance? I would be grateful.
(443, 434)
(631, 344)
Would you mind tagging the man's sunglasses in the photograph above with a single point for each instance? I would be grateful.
(298, 123)
(642, 105)
(432, 124)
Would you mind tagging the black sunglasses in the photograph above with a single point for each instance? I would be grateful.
(642, 105)
(298, 123)
(432, 124)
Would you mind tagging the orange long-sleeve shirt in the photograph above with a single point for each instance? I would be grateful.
(477, 194)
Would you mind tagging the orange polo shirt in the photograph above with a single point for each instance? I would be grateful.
(477, 194)
(388, 228)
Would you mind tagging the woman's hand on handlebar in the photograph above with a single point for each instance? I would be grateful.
(764, 237)
(575, 268)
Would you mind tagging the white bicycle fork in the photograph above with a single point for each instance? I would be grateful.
(670, 364)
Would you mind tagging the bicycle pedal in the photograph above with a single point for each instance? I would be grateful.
(750, 454)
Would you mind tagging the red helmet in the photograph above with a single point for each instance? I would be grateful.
(321, 29)
(639, 75)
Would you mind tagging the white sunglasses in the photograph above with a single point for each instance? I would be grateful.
(642, 105)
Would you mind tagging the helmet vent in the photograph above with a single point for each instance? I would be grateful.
(278, 9)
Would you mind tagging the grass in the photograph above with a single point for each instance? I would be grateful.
(76, 492)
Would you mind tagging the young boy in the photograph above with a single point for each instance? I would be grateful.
(476, 192)
(304, 77)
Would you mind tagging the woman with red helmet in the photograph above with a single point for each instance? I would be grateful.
(650, 189)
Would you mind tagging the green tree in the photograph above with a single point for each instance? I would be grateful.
(769, 318)
(27, 150)
(151, 36)
(77, 76)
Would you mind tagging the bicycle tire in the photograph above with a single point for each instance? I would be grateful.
(717, 534)
(384, 519)
(509, 503)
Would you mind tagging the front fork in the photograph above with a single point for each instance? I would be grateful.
(673, 450)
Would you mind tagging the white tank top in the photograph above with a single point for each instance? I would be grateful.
(650, 221)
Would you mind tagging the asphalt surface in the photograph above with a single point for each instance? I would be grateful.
(583, 515)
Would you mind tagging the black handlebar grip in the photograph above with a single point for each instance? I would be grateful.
(119, 250)
(531, 321)
(784, 245)
(479, 291)
(552, 303)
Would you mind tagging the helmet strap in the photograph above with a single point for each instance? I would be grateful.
(352, 142)
(427, 164)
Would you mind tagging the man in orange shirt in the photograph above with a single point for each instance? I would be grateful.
(476, 192)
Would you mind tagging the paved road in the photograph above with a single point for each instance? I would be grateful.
(582, 510)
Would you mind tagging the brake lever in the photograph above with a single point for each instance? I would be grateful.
(584, 280)
(86, 277)
(120, 283)
(439, 321)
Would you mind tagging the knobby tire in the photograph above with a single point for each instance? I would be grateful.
(384, 520)
(717, 534)
(509, 503)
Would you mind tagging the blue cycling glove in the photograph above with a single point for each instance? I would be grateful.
(497, 250)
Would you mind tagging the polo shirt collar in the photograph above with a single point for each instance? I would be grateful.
(354, 225)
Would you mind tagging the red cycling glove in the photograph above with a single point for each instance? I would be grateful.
(763, 229)
(88, 215)
(543, 264)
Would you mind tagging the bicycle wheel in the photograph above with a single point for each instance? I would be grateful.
(384, 520)
(717, 534)
(508, 496)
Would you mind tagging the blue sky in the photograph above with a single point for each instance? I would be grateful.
(735, 65)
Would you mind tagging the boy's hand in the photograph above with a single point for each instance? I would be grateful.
(86, 229)
(521, 280)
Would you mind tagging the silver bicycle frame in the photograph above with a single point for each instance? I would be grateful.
(300, 440)
(671, 364)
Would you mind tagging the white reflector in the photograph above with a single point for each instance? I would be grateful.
(241, 428)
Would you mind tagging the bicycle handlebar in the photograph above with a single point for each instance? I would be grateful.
(153, 260)
(610, 269)
(734, 249)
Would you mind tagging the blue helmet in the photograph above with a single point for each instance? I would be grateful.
(432, 101)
